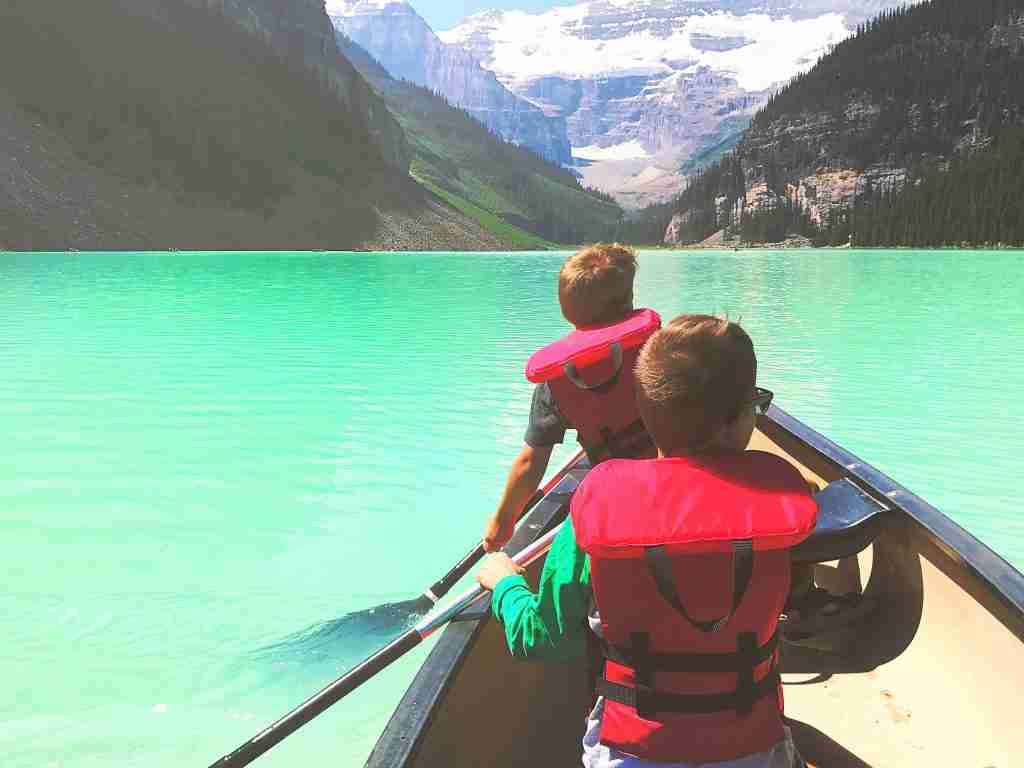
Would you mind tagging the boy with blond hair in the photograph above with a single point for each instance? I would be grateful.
(584, 380)
(680, 565)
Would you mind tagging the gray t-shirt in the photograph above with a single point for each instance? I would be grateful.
(547, 424)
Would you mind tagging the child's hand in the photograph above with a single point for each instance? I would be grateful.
(495, 568)
(497, 533)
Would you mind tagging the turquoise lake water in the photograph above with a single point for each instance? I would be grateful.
(204, 454)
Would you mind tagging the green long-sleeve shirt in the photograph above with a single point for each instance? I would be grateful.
(550, 625)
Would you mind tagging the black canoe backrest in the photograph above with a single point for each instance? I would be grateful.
(848, 521)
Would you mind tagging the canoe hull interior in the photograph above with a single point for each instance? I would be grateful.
(926, 669)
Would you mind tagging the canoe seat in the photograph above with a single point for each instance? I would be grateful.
(848, 521)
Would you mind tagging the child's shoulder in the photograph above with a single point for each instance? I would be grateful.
(774, 466)
(758, 467)
(610, 470)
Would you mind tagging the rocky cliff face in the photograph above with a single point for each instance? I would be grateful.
(885, 140)
(301, 32)
(825, 187)
(832, 183)
(646, 85)
(403, 42)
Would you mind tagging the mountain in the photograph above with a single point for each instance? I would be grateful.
(401, 40)
(510, 190)
(299, 32)
(910, 133)
(129, 124)
(646, 86)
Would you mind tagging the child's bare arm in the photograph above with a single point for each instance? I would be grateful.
(523, 479)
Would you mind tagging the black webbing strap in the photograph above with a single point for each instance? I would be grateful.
(573, 374)
(744, 660)
(688, 703)
(660, 565)
(746, 645)
(643, 672)
(619, 445)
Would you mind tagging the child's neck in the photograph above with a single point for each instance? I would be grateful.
(598, 323)
(713, 449)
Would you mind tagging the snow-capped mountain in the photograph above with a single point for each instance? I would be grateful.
(408, 48)
(645, 85)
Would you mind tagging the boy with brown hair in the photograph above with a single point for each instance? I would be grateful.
(680, 565)
(584, 380)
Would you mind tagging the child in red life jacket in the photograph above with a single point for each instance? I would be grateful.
(584, 380)
(680, 564)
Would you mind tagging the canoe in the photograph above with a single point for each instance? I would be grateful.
(921, 665)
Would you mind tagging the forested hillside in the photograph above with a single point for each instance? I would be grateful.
(186, 123)
(509, 189)
(907, 133)
(201, 124)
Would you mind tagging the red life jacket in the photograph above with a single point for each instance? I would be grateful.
(690, 571)
(590, 375)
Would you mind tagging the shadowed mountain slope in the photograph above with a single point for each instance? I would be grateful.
(195, 124)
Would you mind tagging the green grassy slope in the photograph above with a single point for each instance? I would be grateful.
(520, 238)
(512, 192)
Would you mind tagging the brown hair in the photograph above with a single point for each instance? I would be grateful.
(693, 377)
(596, 285)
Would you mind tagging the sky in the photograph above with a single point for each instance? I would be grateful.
(445, 14)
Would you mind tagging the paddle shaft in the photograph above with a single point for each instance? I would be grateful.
(348, 682)
(313, 706)
(442, 586)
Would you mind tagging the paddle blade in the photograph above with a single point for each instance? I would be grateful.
(350, 638)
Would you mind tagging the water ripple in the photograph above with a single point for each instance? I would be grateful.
(204, 454)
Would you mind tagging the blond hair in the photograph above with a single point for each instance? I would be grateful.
(693, 377)
(595, 286)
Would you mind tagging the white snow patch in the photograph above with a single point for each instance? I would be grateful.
(630, 150)
(529, 46)
(781, 49)
(358, 7)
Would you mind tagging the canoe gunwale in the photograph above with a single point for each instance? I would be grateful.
(410, 721)
(999, 580)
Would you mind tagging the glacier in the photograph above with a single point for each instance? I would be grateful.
(629, 90)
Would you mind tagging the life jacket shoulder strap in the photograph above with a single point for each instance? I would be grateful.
(660, 565)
